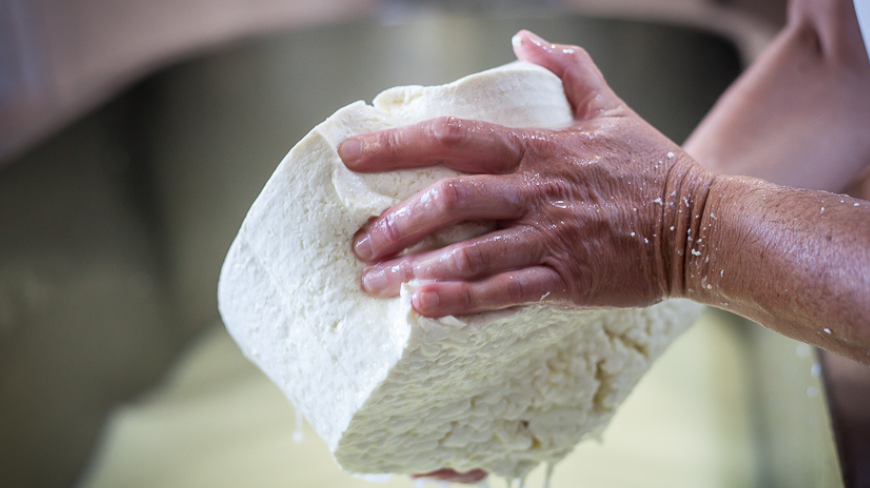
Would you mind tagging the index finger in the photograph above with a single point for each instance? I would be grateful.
(470, 146)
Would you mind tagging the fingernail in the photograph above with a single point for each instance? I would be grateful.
(374, 280)
(536, 39)
(350, 151)
(425, 301)
(517, 40)
(363, 247)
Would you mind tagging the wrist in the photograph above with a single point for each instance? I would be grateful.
(686, 220)
(715, 263)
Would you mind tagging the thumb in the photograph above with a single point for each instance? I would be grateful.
(584, 85)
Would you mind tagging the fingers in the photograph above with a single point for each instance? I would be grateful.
(512, 288)
(469, 146)
(484, 256)
(584, 84)
(445, 202)
(448, 474)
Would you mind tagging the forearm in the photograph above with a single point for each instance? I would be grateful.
(796, 261)
(800, 115)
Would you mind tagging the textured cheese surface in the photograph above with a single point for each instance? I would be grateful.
(390, 391)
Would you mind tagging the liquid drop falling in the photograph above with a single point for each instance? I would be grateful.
(549, 475)
(298, 433)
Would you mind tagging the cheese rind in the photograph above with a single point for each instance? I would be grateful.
(390, 391)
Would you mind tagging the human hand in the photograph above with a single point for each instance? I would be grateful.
(586, 216)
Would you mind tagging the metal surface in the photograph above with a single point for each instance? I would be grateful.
(113, 232)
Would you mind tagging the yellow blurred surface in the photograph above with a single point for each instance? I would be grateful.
(218, 422)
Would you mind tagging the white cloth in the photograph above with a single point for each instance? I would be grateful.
(862, 11)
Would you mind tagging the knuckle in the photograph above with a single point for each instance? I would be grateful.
(468, 261)
(515, 290)
(580, 55)
(390, 231)
(562, 287)
(404, 271)
(465, 297)
(514, 150)
(448, 131)
(390, 141)
(451, 194)
(548, 144)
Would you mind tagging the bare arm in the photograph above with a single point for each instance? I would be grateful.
(800, 115)
(796, 261)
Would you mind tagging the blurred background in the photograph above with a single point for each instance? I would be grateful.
(135, 134)
(57, 57)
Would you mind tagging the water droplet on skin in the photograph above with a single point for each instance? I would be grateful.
(632, 234)
(816, 370)
(823, 211)
(827, 330)
(671, 155)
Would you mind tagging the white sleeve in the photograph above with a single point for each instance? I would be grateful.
(862, 11)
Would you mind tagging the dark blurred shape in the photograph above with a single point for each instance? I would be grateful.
(848, 389)
(61, 58)
(773, 11)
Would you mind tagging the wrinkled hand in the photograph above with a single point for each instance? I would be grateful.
(585, 216)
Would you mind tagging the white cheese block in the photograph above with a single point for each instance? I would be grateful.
(391, 391)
